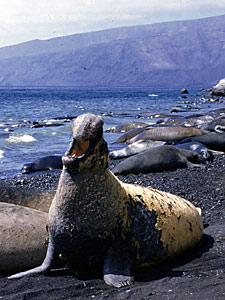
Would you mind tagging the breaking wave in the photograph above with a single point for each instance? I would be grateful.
(25, 138)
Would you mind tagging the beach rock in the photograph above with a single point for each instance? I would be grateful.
(184, 91)
(219, 89)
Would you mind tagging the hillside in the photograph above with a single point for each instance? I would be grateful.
(172, 54)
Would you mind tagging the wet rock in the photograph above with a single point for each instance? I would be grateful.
(184, 91)
(219, 89)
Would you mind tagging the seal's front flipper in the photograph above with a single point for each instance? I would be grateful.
(118, 280)
(44, 267)
(191, 165)
(117, 265)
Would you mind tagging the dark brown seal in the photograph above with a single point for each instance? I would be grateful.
(159, 159)
(29, 197)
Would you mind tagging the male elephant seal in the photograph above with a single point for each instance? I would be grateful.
(23, 237)
(99, 223)
(162, 158)
(50, 162)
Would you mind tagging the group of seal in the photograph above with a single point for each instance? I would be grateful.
(197, 134)
(100, 224)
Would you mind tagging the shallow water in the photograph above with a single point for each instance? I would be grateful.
(56, 107)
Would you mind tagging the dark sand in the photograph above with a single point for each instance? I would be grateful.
(199, 274)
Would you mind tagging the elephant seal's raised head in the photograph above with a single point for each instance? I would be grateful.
(88, 148)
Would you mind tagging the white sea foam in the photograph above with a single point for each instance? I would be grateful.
(25, 138)
(1, 153)
(153, 95)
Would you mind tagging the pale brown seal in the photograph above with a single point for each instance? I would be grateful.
(166, 133)
(23, 237)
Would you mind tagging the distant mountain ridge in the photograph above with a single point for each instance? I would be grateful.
(171, 54)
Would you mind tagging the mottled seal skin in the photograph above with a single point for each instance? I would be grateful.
(134, 148)
(29, 197)
(166, 133)
(98, 223)
(159, 159)
(23, 238)
(213, 140)
(50, 162)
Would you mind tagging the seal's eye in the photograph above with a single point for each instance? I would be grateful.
(79, 148)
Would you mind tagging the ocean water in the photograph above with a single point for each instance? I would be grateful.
(20, 108)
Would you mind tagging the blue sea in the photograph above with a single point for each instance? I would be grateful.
(20, 108)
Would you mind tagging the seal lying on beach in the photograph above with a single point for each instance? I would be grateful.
(159, 159)
(126, 127)
(44, 163)
(130, 134)
(134, 148)
(29, 197)
(98, 223)
(22, 239)
(197, 147)
(213, 140)
(217, 125)
(166, 134)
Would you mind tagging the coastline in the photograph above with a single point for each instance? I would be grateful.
(196, 275)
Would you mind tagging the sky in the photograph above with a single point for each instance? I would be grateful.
(24, 20)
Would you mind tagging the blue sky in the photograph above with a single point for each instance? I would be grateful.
(24, 20)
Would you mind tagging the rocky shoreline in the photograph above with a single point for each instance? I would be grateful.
(196, 275)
